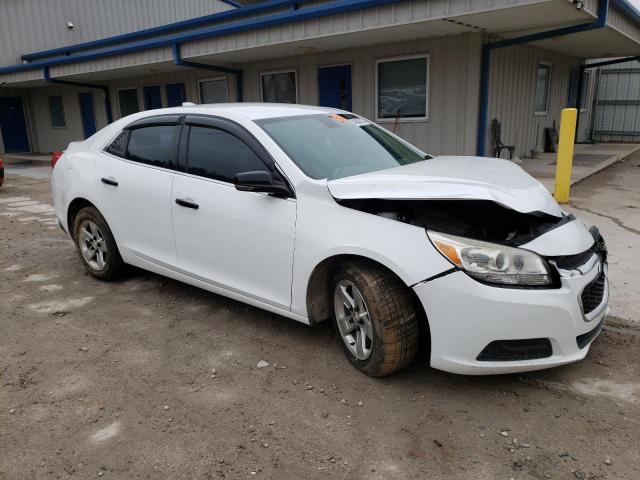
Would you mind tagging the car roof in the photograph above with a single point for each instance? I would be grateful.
(251, 111)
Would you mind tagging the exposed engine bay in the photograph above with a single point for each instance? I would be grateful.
(478, 219)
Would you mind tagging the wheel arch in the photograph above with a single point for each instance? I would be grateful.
(74, 207)
(319, 292)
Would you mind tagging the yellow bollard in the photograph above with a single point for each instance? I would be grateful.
(564, 162)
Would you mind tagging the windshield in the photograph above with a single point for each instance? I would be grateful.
(335, 146)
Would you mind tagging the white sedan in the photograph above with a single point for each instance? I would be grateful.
(317, 214)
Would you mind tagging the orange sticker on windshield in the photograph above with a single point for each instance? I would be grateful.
(338, 118)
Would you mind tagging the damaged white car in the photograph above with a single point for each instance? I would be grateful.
(318, 214)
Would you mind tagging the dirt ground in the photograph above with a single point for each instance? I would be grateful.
(116, 380)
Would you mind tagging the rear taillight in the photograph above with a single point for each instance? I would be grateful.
(55, 156)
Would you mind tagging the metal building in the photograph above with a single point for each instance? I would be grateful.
(435, 71)
(615, 105)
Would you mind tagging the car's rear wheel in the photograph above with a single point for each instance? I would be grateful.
(96, 246)
(375, 317)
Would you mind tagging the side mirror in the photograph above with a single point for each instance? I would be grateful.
(260, 181)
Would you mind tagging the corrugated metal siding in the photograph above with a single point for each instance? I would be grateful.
(42, 136)
(453, 87)
(453, 91)
(617, 114)
(33, 25)
(412, 11)
(146, 57)
(623, 24)
(408, 12)
(57, 138)
(512, 95)
(190, 78)
(590, 6)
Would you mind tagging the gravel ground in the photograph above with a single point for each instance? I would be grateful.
(150, 378)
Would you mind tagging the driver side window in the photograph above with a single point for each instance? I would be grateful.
(216, 154)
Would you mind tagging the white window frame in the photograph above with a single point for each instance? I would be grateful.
(64, 115)
(540, 113)
(137, 89)
(209, 79)
(427, 57)
(275, 72)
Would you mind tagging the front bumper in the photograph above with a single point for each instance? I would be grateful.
(465, 316)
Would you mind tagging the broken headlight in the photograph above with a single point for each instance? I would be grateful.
(493, 263)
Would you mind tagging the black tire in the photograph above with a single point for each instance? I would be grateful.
(393, 315)
(113, 266)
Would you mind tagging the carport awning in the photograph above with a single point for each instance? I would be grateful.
(504, 19)
(602, 43)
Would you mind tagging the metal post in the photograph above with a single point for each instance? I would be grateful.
(485, 70)
(564, 161)
(579, 99)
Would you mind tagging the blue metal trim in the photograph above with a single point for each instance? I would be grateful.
(485, 70)
(171, 27)
(610, 62)
(177, 59)
(104, 88)
(233, 3)
(600, 22)
(323, 10)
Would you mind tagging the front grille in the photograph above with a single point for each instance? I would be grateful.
(593, 293)
(512, 350)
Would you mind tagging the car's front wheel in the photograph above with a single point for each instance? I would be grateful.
(96, 246)
(375, 317)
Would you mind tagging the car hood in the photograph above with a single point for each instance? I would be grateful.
(452, 178)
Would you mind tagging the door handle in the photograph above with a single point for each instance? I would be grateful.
(109, 181)
(187, 203)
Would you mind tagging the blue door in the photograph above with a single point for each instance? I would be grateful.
(175, 95)
(87, 114)
(334, 87)
(13, 125)
(152, 97)
(572, 95)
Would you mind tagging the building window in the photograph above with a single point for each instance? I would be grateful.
(56, 109)
(214, 91)
(128, 101)
(401, 85)
(279, 87)
(543, 78)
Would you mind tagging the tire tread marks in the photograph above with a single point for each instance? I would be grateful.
(393, 315)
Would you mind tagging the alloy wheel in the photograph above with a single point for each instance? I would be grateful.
(92, 245)
(353, 319)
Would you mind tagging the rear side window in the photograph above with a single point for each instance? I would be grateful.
(156, 145)
(119, 146)
(217, 154)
